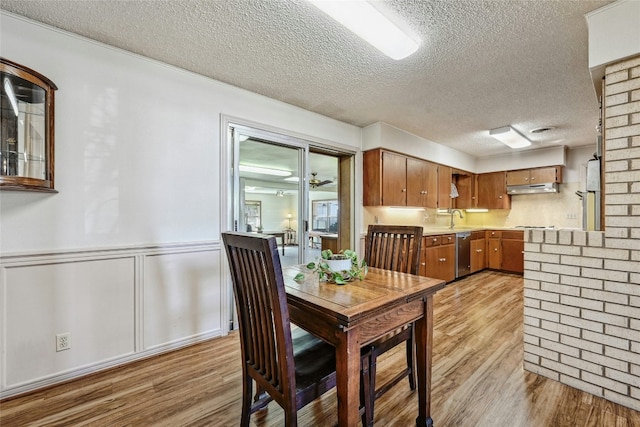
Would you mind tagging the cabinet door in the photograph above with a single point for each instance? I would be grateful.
(519, 177)
(439, 262)
(494, 253)
(512, 255)
(550, 174)
(492, 191)
(447, 263)
(478, 255)
(422, 183)
(444, 187)
(467, 189)
(394, 179)
(429, 265)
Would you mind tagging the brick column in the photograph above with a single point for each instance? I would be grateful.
(582, 289)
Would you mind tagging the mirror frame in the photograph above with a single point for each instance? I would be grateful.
(23, 183)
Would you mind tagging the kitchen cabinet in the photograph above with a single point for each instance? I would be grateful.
(535, 176)
(505, 250)
(492, 191)
(512, 242)
(494, 250)
(444, 187)
(466, 183)
(478, 251)
(385, 179)
(392, 179)
(438, 255)
(422, 183)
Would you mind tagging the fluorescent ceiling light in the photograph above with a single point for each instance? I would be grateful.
(265, 171)
(293, 179)
(472, 210)
(367, 22)
(12, 96)
(509, 136)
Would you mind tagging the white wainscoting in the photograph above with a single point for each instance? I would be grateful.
(118, 305)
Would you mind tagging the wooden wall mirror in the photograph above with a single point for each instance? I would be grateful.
(27, 136)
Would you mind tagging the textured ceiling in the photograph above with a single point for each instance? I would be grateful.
(481, 65)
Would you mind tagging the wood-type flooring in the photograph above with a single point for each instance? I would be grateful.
(478, 380)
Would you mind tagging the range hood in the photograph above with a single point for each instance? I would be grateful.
(550, 187)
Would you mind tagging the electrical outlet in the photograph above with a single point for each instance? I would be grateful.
(572, 215)
(63, 341)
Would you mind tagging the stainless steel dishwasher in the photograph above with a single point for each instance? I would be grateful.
(463, 253)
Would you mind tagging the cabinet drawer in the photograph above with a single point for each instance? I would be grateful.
(513, 234)
(448, 239)
(475, 235)
(428, 241)
(494, 234)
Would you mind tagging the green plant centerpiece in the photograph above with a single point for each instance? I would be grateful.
(339, 268)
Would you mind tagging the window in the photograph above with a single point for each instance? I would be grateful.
(325, 216)
(253, 215)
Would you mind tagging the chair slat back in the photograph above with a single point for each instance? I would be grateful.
(263, 314)
(394, 247)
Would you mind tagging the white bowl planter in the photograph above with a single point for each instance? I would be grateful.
(339, 264)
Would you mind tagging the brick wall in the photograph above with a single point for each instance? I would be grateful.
(582, 289)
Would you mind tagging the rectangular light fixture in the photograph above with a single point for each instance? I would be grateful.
(264, 171)
(509, 136)
(360, 17)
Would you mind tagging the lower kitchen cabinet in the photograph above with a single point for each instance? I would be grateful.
(505, 250)
(512, 242)
(438, 257)
(478, 251)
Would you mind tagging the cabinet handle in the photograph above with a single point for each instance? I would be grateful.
(435, 239)
(404, 190)
(423, 263)
(478, 250)
(495, 250)
(533, 178)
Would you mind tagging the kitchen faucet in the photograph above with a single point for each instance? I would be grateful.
(452, 211)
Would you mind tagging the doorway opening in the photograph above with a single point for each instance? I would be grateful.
(293, 189)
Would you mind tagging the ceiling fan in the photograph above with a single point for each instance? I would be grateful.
(314, 182)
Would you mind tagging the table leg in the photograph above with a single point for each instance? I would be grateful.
(424, 341)
(348, 378)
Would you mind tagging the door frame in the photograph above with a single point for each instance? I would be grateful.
(349, 163)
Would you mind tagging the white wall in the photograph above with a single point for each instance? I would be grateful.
(382, 135)
(614, 32)
(127, 256)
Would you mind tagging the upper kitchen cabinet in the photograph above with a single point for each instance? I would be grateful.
(385, 178)
(492, 191)
(422, 183)
(26, 141)
(444, 187)
(392, 179)
(466, 183)
(548, 174)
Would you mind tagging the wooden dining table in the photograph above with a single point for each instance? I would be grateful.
(353, 315)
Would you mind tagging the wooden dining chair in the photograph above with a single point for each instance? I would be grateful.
(292, 370)
(397, 248)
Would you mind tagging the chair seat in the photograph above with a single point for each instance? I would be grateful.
(315, 360)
